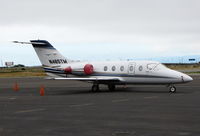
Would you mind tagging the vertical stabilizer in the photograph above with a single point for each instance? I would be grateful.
(48, 55)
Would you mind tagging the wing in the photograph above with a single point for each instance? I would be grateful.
(91, 78)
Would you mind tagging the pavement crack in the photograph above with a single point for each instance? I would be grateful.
(81, 105)
(26, 111)
(120, 100)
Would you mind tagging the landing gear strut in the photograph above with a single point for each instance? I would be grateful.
(111, 87)
(95, 88)
(172, 89)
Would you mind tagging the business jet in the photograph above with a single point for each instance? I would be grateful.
(110, 73)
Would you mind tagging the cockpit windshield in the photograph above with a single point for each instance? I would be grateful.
(160, 67)
(155, 66)
(151, 66)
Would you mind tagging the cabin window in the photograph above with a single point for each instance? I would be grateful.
(140, 68)
(113, 68)
(122, 68)
(131, 68)
(105, 68)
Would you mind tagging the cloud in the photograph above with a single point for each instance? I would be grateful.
(123, 27)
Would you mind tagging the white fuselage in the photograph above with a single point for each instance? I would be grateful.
(130, 72)
(111, 73)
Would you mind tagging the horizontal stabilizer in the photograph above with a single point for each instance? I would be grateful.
(41, 43)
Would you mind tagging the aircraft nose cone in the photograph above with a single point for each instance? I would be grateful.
(187, 78)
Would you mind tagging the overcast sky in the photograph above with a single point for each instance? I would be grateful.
(100, 29)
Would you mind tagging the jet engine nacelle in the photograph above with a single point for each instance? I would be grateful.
(88, 69)
(68, 70)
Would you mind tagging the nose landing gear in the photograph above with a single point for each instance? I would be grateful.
(172, 89)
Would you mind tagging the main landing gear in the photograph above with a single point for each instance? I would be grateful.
(95, 87)
(111, 87)
(172, 89)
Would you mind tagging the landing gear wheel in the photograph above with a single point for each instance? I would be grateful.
(172, 89)
(111, 87)
(95, 88)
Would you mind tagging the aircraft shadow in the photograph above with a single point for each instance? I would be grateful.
(118, 90)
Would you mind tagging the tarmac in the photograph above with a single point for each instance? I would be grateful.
(69, 108)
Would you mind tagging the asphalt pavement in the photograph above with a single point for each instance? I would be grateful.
(69, 108)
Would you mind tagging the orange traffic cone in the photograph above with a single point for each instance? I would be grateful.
(42, 92)
(16, 87)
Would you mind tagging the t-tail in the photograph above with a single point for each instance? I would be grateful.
(48, 55)
(52, 61)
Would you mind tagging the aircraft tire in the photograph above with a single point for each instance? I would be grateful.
(95, 88)
(172, 89)
(111, 87)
